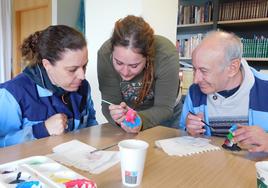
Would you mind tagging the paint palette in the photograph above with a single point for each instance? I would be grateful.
(41, 171)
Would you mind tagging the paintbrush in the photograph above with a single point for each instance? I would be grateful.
(202, 120)
(102, 149)
(107, 102)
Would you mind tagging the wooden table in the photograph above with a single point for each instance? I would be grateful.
(211, 169)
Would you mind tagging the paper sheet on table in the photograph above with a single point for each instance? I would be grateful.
(185, 145)
(77, 154)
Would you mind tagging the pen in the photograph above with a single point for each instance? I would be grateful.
(107, 102)
(102, 149)
(201, 120)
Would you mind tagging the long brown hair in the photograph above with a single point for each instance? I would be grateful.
(134, 32)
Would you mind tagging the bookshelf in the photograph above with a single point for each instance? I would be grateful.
(257, 59)
(247, 18)
(254, 21)
(195, 18)
(195, 25)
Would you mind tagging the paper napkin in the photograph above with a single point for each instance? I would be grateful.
(185, 145)
(77, 154)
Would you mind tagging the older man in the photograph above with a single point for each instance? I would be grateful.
(226, 91)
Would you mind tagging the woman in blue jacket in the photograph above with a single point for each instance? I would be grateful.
(51, 95)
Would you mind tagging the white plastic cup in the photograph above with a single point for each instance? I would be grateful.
(262, 174)
(132, 155)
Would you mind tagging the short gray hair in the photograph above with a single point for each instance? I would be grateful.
(231, 43)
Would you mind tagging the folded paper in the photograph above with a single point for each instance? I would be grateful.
(185, 145)
(77, 154)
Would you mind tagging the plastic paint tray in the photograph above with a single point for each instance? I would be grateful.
(44, 170)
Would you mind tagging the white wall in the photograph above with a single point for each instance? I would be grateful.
(162, 16)
(65, 12)
(68, 12)
(100, 18)
(5, 38)
(54, 12)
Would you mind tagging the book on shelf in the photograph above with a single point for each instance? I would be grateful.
(195, 14)
(185, 46)
(243, 9)
(256, 47)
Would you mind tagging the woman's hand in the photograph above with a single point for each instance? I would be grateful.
(56, 124)
(135, 129)
(118, 112)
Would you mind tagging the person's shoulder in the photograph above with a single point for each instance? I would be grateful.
(165, 48)
(18, 86)
(161, 40)
(106, 47)
(166, 54)
(18, 82)
(262, 75)
(260, 81)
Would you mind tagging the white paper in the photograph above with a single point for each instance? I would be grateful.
(185, 145)
(77, 154)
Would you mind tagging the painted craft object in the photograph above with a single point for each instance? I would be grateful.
(132, 119)
(41, 172)
(228, 143)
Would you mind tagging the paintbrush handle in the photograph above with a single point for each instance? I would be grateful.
(102, 149)
(107, 102)
(201, 119)
(206, 123)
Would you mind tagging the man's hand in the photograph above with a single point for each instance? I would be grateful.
(56, 124)
(194, 125)
(253, 136)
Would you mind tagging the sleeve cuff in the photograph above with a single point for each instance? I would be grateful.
(40, 130)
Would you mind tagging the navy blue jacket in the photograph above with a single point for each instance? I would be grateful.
(25, 106)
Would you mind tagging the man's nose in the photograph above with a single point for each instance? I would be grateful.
(197, 77)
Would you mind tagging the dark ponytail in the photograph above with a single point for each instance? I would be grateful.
(51, 43)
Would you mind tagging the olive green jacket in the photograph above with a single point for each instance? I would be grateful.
(159, 104)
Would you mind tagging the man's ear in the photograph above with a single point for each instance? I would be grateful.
(234, 67)
(46, 64)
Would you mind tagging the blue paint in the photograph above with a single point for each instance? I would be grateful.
(137, 122)
(233, 128)
(29, 184)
